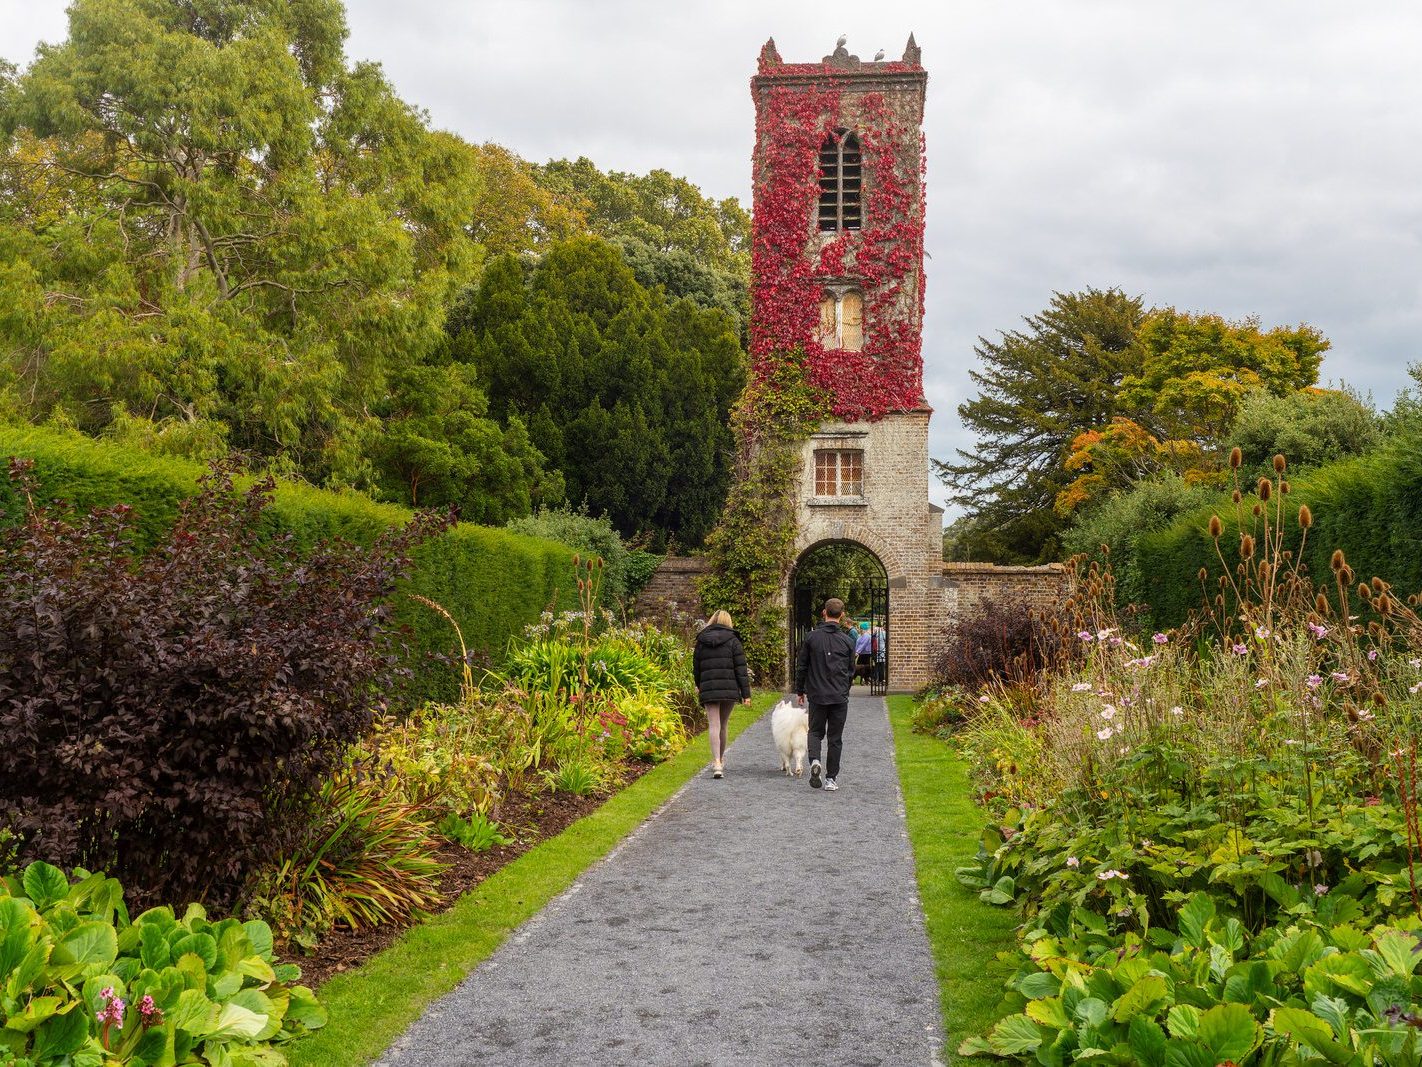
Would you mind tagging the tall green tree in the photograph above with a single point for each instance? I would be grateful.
(625, 392)
(1097, 393)
(1038, 388)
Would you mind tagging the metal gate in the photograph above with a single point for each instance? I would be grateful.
(866, 600)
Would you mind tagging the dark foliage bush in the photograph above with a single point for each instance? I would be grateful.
(996, 641)
(167, 713)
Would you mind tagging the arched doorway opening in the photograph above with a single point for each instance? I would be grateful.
(848, 570)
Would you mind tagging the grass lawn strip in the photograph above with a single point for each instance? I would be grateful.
(372, 1005)
(944, 825)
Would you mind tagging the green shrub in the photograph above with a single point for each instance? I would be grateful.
(588, 536)
(1369, 506)
(477, 833)
(82, 984)
(367, 858)
(494, 582)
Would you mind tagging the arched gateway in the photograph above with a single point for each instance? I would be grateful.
(838, 271)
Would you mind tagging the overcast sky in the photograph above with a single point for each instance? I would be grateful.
(1260, 158)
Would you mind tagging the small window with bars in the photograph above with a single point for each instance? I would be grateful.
(839, 472)
(841, 175)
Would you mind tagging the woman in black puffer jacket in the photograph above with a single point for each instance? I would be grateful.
(719, 667)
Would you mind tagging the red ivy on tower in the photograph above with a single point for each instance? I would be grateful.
(799, 106)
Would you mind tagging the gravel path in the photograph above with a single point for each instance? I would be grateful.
(753, 920)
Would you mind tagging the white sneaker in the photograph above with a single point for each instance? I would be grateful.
(830, 787)
(814, 774)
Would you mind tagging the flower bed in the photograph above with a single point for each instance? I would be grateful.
(1212, 834)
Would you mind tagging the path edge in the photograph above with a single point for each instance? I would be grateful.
(371, 1006)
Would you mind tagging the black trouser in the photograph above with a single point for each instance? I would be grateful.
(833, 716)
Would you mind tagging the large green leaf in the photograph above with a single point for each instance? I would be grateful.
(1346, 971)
(1039, 984)
(1194, 916)
(235, 1021)
(1015, 1035)
(44, 884)
(1049, 1012)
(1147, 1041)
(304, 1010)
(1307, 1029)
(91, 943)
(36, 1011)
(1397, 952)
(1183, 1021)
(29, 970)
(1229, 1031)
(1143, 998)
(60, 1035)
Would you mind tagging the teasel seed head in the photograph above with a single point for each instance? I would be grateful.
(1338, 561)
(1246, 547)
(1216, 528)
(1305, 517)
(1236, 457)
(1279, 463)
(1320, 605)
(1266, 488)
(1365, 591)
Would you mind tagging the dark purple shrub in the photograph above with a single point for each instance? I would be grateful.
(166, 716)
(996, 641)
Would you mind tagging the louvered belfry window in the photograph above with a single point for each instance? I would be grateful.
(841, 175)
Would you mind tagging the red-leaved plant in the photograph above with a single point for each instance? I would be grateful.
(166, 717)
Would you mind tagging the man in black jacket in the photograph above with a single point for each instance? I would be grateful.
(824, 671)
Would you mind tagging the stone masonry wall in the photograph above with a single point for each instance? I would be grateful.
(670, 598)
(970, 585)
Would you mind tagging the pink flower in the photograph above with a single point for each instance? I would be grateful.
(1108, 713)
(1240, 650)
(984, 699)
(1372, 655)
(1160, 639)
(1319, 632)
(1261, 683)
(1085, 635)
(1320, 889)
(152, 1014)
(1073, 862)
(1313, 681)
(1340, 676)
(1105, 733)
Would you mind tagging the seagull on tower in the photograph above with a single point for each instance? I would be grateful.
(879, 56)
(842, 38)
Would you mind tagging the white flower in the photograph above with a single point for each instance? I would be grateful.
(1105, 733)
(1415, 689)
(1415, 663)
(1177, 710)
(1108, 713)
(1073, 862)
(1261, 683)
(984, 699)
(1081, 687)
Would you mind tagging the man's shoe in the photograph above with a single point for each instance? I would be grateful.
(717, 771)
(814, 774)
(830, 787)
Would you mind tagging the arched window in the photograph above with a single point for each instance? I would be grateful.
(840, 177)
(842, 320)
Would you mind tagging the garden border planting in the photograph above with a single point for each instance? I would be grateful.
(372, 1005)
(944, 824)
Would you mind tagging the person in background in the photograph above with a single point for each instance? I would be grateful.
(718, 666)
(879, 645)
(824, 672)
(863, 652)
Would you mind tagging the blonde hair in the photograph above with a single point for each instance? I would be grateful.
(720, 618)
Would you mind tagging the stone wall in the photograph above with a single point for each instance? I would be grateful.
(670, 598)
(969, 585)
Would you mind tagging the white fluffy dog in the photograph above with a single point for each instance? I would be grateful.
(790, 726)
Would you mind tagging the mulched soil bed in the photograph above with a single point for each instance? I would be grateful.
(531, 819)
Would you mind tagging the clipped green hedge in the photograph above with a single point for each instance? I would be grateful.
(492, 581)
(1369, 506)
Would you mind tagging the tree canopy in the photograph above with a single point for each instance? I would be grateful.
(1098, 392)
(218, 234)
(625, 390)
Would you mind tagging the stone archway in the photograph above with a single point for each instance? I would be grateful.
(849, 570)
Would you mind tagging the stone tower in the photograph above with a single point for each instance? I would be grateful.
(837, 269)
